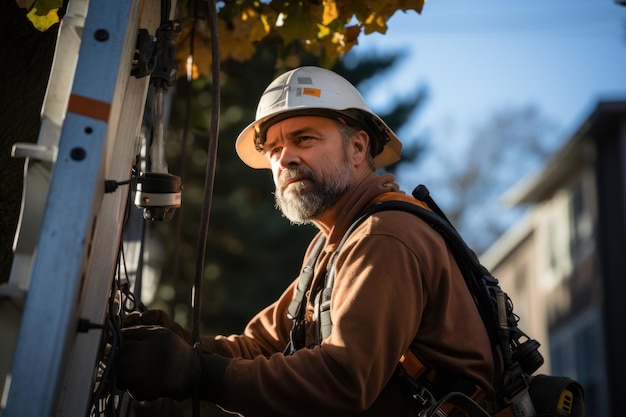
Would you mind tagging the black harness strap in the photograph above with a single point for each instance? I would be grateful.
(297, 308)
(450, 389)
(323, 299)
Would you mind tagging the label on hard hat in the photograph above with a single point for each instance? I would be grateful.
(315, 92)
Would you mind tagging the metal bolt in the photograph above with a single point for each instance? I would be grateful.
(101, 35)
(78, 154)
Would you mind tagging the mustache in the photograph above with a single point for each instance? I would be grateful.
(290, 174)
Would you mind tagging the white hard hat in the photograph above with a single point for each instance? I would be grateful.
(315, 91)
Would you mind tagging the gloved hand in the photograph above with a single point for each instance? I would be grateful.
(157, 318)
(154, 362)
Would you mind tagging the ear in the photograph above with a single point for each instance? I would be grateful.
(360, 142)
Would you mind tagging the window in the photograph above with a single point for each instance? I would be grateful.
(577, 351)
(581, 223)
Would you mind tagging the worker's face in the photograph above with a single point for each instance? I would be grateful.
(310, 166)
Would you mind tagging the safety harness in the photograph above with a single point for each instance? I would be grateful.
(432, 390)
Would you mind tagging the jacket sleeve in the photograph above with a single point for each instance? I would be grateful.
(265, 334)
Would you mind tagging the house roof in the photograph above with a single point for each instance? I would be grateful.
(577, 152)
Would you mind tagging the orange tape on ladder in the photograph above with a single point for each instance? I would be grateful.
(89, 107)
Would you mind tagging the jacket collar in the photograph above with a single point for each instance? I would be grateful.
(355, 201)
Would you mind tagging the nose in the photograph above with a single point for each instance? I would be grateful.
(288, 157)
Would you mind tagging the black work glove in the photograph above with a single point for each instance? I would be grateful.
(154, 362)
(157, 318)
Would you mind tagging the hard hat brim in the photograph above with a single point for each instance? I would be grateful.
(247, 152)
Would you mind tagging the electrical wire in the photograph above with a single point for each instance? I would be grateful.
(183, 150)
(105, 399)
(101, 397)
(208, 187)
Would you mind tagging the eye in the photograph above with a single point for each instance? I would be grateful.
(304, 138)
(273, 151)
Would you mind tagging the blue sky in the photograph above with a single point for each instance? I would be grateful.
(476, 57)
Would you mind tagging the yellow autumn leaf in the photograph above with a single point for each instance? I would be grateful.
(235, 43)
(416, 5)
(375, 23)
(323, 31)
(300, 21)
(44, 14)
(326, 28)
(330, 11)
(256, 26)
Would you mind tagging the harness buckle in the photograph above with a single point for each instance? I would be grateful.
(420, 395)
(296, 338)
(518, 395)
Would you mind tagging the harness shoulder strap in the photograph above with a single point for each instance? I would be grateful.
(297, 307)
(380, 203)
(304, 280)
(398, 196)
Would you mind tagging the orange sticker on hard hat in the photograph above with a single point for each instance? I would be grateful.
(315, 92)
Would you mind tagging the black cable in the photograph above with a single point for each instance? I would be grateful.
(101, 403)
(183, 151)
(210, 173)
(100, 398)
(111, 185)
(208, 187)
(125, 288)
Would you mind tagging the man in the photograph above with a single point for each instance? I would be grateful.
(396, 285)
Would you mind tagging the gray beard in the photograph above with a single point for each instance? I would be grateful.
(303, 202)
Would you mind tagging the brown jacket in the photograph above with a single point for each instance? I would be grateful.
(396, 284)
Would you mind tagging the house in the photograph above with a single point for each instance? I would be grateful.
(564, 262)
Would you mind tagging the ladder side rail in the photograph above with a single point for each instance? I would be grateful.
(121, 149)
(66, 242)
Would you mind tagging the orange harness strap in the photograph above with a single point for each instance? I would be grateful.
(416, 369)
(398, 196)
(412, 365)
